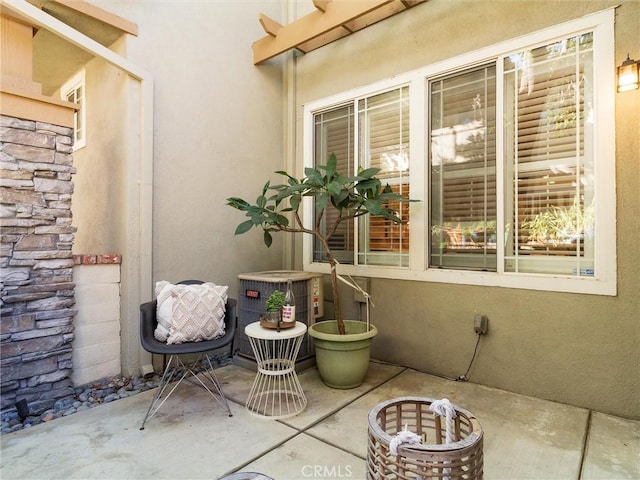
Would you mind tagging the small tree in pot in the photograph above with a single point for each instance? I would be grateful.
(352, 197)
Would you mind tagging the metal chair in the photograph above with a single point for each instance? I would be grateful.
(175, 369)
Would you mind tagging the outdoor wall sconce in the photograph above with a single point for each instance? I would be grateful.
(628, 75)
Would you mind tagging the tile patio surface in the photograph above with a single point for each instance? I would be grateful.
(191, 437)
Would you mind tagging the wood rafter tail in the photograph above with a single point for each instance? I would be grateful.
(332, 20)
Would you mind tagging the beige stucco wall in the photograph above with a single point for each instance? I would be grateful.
(579, 349)
(217, 132)
(99, 200)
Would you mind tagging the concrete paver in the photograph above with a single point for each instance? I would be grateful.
(191, 437)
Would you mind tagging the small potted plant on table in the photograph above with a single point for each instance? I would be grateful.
(273, 315)
(342, 346)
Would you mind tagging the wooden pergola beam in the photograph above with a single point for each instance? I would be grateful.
(269, 25)
(326, 26)
(321, 4)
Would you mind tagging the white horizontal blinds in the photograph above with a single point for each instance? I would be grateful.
(548, 101)
(334, 134)
(463, 170)
(383, 136)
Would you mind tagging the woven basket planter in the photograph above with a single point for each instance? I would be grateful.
(434, 458)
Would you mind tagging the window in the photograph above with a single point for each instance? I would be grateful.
(381, 127)
(74, 91)
(512, 156)
(463, 170)
(549, 167)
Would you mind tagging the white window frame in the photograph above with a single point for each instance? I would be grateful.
(604, 282)
(80, 116)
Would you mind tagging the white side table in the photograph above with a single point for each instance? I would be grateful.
(276, 391)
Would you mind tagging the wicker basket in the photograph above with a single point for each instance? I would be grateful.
(434, 458)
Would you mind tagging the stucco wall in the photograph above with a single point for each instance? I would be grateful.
(99, 197)
(578, 349)
(217, 131)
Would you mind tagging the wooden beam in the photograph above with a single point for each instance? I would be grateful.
(269, 25)
(321, 4)
(376, 16)
(311, 26)
(100, 14)
(322, 40)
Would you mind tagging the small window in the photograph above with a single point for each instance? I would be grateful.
(74, 91)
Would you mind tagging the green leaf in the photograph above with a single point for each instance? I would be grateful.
(295, 202)
(365, 185)
(332, 165)
(267, 239)
(314, 177)
(244, 227)
(368, 173)
(321, 201)
(374, 207)
(334, 188)
(282, 172)
(280, 220)
(238, 203)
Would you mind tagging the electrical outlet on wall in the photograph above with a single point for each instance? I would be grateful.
(480, 324)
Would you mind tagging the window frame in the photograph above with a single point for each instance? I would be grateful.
(604, 282)
(80, 116)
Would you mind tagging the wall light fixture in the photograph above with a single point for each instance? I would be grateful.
(628, 75)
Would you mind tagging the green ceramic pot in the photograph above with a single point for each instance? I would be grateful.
(343, 360)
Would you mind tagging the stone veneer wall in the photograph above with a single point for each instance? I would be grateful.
(38, 296)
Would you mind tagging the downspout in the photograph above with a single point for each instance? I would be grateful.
(143, 290)
(289, 13)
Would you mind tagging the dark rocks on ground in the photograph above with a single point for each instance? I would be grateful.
(88, 396)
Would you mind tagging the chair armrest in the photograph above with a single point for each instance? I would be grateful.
(148, 323)
(231, 316)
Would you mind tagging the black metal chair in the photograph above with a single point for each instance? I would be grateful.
(175, 369)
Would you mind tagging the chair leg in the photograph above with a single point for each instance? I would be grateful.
(176, 367)
(209, 374)
(168, 376)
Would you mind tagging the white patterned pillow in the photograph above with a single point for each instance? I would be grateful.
(198, 312)
(164, 310)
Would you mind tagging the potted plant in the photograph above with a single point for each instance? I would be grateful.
(352, 197)
(274, 304)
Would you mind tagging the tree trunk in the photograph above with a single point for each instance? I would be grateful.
(336, 299)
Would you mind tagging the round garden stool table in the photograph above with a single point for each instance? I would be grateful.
(276, 391)
(407, 440)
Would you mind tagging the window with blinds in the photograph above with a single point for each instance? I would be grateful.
(548, 163)
(512, 160)
(549, 158)
(334, 133)
(381, 128)
(463, 170)
(383, 140)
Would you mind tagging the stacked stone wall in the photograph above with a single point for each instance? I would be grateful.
(38, 299)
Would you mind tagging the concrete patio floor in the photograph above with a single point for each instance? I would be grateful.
(191, 437)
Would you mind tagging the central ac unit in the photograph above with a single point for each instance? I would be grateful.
(256, 287)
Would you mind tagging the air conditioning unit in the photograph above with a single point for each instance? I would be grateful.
(256, 287)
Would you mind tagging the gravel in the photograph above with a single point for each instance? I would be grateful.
(102, 391)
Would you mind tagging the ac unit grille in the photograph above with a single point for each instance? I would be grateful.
(256, 288)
